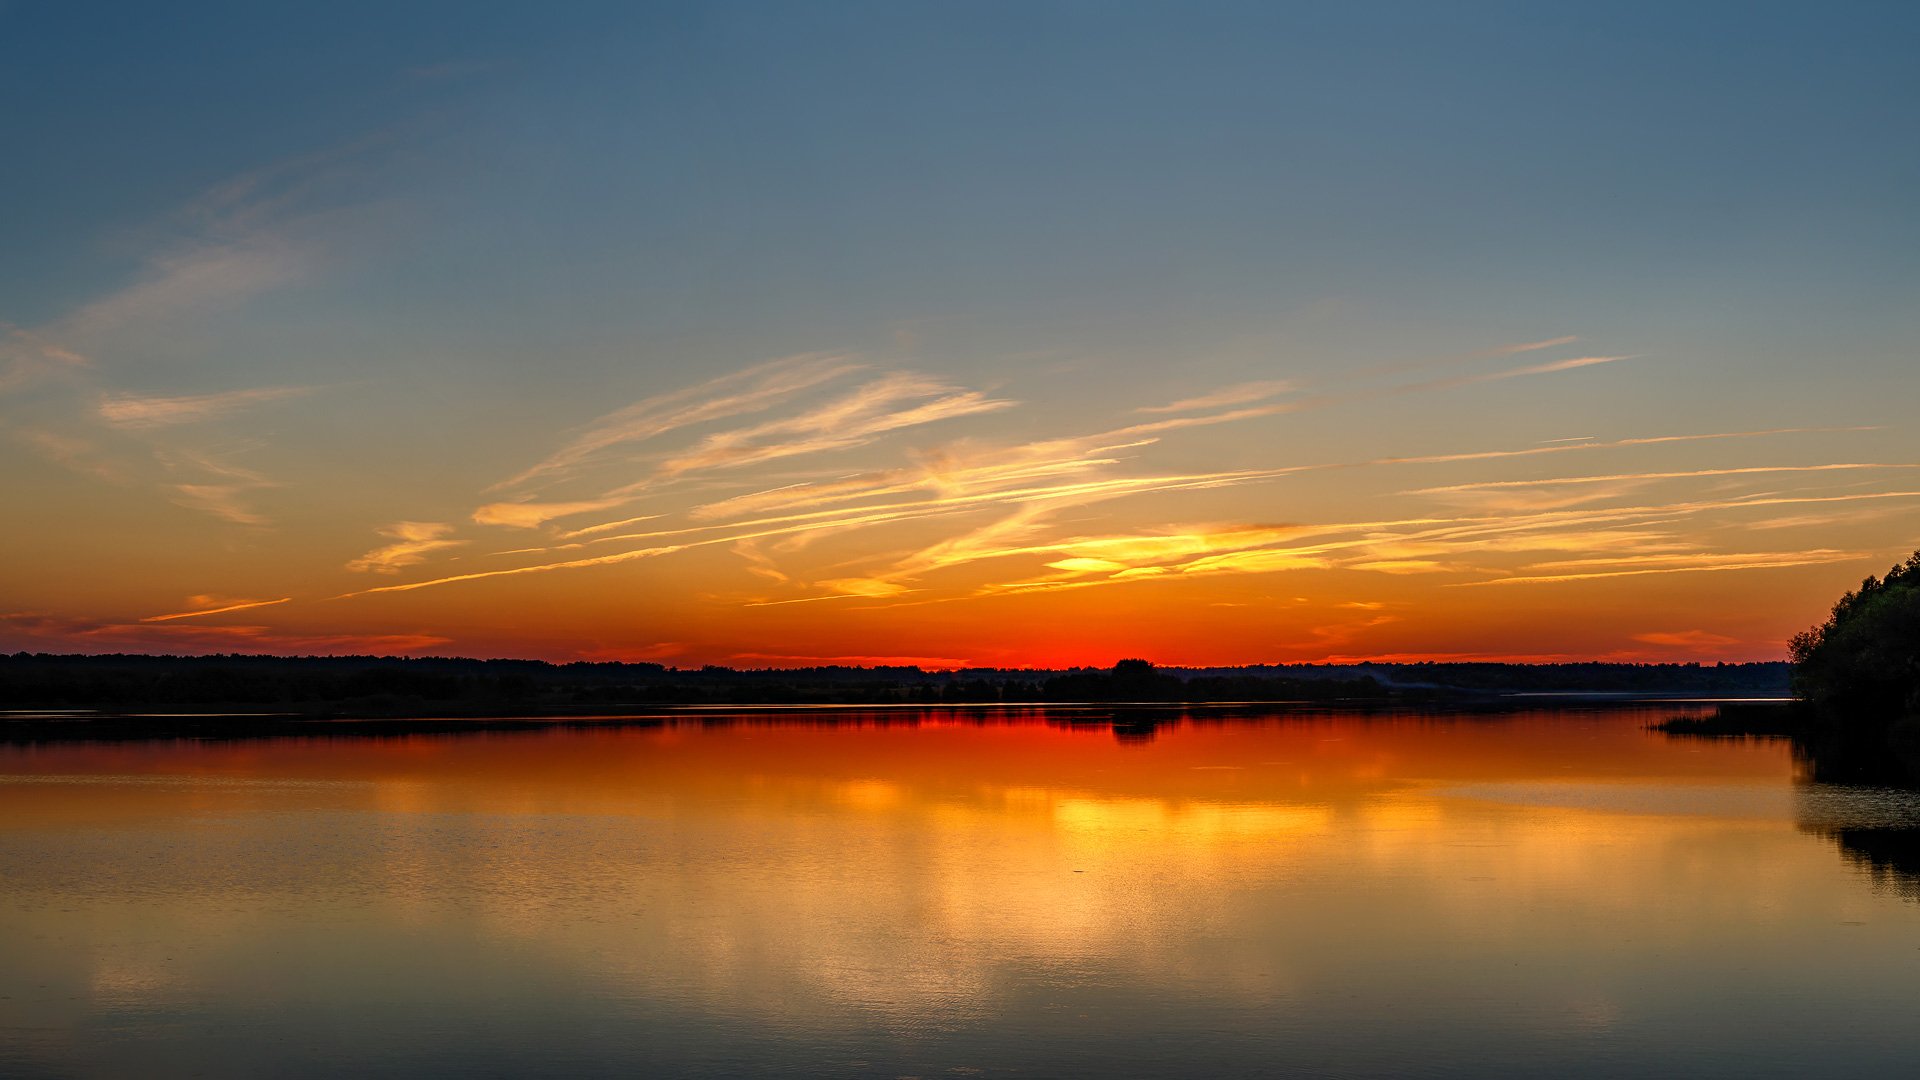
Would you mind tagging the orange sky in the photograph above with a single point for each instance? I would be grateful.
(818, 510)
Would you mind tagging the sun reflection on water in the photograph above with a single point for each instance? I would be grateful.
(944, 892)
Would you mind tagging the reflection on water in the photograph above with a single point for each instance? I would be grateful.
(1891, 856)
(1861, 788)
(1876, 828)
(942, 894)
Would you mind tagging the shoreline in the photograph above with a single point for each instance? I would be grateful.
(29, 726)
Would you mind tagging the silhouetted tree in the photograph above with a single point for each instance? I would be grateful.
(1137, 680)
(1859, 675)
(1864, 661)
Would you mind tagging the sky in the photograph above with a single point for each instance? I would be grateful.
(974, 334)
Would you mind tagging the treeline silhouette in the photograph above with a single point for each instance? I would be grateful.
(373, 685)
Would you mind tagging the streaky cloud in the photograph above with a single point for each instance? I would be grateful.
(971, 471)
(1714, 564)
(528, 515)
(27, 357)
(752, 390)
(137, 411)
(1533, 346)
(191, 279)
(1687, 639)
(1237, 394)
(945, 472)
(1615, 444)
(172, 636)
(1455, 381)
(82, 455)
(848, 421)
(237, 605)
(827, 520)
(571, 564)
(413, 541)
(219, 488)
(1682, 559)
(1488, 485)
(224, 501)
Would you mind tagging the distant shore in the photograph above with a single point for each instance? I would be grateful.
(35, 727)
(290, 683)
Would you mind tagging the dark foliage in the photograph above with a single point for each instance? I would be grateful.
(1858, 674)
(1864, 661)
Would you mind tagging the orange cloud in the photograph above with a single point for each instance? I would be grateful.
(1691, 639)
(213, 605)
(413, 541)
(528, 515)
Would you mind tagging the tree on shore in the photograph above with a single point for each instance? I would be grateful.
(1862, 666)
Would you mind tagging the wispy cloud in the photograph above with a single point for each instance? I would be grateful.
(1238, 394)
(1697, 564)
(953, 472)
(1454, 381)
(1198, 550)
(215, 487)
(82, 455)
(138, 411)
(27, 357)
(967, 503)
(1533, 346)
(977, 473)
(1413, 546)
(192, 280)
(1390, 389)
(528, 515)
(1615, 444)
(213, 605)
(889, 403)
(1366, 374)
(224, 501)
(1826, 520)
(1609, 478)
(1688, 559)
(67, 632)
(755, 389)
(413, 541)
(570, 564)
(254, 233)
(1002, 476)
(1689, 639)
(889, 513)
(1418, 545)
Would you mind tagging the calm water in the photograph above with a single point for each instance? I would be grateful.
(1542, 894)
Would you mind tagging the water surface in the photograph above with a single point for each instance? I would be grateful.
(957, 893)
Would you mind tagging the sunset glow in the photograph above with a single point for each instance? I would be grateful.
(773, 338)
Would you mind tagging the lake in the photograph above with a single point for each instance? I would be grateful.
(958, 893)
